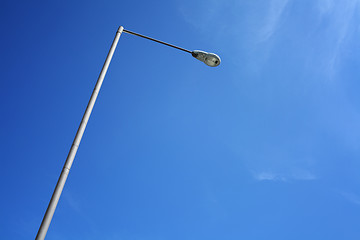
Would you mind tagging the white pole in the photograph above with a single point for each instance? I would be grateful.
(70, 158)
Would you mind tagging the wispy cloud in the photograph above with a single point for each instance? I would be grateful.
(268, 176)
(310, 38)
(325, 6)
(298, 175)
(72, 202)
(272, 19)
(353, 198)
(201, 14)
(341, 19)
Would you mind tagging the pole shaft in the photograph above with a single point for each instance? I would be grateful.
(70, 158)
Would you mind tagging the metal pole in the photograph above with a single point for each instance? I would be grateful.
(70, 158)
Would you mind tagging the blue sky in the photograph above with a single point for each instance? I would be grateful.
(265, 146)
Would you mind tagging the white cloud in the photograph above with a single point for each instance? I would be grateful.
(353, 198)
(325, 6)
(272, 18)
(342, 19)
(298, 175)
(72, 202)
(268, 176)
(201, 14)
(304, 175)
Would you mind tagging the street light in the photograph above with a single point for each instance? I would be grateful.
(209, 59)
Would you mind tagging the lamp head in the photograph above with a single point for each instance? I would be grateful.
(210, 59)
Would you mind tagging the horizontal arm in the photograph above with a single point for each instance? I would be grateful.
(158, 41)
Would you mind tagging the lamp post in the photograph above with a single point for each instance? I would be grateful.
(209, 59)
